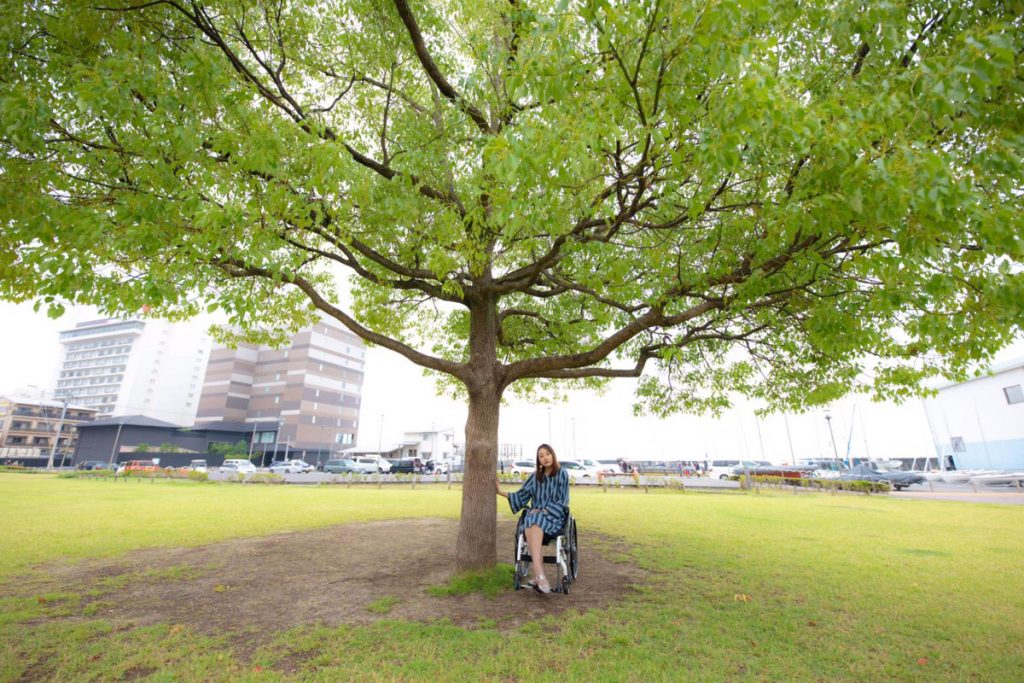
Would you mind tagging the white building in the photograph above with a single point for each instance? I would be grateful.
(979, 424)
(134, 367)
(432, 444)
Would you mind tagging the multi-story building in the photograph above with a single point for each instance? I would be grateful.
(134, 367)
(311, 388)
(431, 444)
(29, 426)
(979, 424)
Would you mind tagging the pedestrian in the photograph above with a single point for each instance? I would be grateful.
(545, 494)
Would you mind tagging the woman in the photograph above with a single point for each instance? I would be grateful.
(547, 493)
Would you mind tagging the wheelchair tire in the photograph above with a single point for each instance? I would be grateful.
(522, 569)
(574, 556)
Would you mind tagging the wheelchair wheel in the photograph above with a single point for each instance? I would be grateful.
(562, 580)
(522, 569)
(522, 566)
(574, 556)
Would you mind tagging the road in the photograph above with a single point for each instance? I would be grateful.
(1003, 495)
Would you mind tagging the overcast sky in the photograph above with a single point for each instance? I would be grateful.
(397, 398)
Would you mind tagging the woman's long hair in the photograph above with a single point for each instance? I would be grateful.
(555, 467)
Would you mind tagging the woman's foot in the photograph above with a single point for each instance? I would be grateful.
(541, 585)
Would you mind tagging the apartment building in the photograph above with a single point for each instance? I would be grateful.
(311, 388)
(28, 427)
(133, 366)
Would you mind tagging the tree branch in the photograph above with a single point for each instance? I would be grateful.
(240, 269)
(432, 69)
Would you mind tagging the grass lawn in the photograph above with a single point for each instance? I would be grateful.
(744, 587)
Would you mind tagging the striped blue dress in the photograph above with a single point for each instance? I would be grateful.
(548, 502)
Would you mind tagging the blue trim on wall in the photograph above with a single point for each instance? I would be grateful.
(993, 455)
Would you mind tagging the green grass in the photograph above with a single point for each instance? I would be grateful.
(383, 605)
(742, 587)
(490, 582)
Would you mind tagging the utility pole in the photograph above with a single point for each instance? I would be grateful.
(60, 425)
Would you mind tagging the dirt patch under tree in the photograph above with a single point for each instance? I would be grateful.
(260, 586)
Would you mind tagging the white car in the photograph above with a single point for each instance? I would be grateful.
(289, 466)
(523, 467)
(602, 467)
(238, 465)
(577, 470)
(368, 465)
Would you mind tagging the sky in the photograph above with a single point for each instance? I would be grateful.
(397, 398)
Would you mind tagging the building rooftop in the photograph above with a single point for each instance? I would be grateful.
(994, 369)
(132, 421)
(44, 403)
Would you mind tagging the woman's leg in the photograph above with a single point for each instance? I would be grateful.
(534, 540)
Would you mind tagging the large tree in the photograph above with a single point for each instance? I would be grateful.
(782, 199)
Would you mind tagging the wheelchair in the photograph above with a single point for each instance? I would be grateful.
(565, 558)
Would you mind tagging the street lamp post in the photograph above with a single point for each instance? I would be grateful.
(835, 451)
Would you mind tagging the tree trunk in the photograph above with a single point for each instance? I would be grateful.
(475, 548)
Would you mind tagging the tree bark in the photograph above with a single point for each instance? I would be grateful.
(475, 548)
(485, 383)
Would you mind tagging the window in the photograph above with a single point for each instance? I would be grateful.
(277, 399)
(957, 442)
(1014, 394)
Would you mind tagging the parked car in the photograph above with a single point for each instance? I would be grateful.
(721, 469)
(238, 465)
(576, 470)
(340, 466)
(436, 467)
(609, 466)
(594, 465)
(523, 467)
(289, 466)
(94, 465)
(368, 465)
(197, 466)
(407, 466)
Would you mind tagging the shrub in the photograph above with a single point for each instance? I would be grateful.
(261, 478)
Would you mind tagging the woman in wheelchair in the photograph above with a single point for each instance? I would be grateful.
(546, 493)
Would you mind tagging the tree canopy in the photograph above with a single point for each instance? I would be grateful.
(786, 200)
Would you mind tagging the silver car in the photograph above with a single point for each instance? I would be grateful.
(289, 466)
